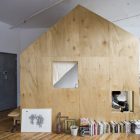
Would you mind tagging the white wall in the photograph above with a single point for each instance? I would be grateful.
(27, 36)
(9, 39)
(14, 41)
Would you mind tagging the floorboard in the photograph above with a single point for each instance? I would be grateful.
(53, 136)
(7, 135)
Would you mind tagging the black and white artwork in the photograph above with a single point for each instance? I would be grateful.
(36, 120)
(122, 101)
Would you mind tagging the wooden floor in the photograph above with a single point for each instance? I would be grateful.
(46, 136)
(5, 134)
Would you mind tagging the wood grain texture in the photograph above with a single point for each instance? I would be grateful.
(53, 136)
(107, 60)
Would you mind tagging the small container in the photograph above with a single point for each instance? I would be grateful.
(74, 130)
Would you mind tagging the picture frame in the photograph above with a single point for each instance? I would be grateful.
(36, 120)
(68, 123)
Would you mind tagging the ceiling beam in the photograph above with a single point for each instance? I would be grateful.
(36, 13)
(137, 15)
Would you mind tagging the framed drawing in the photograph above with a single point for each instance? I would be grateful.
(68, 123)
(36, 120)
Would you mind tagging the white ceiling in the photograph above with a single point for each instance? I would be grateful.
(113, 9)
(14, 12)
(125, 13)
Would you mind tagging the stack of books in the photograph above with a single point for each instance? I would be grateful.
(84, 126)
(135, 128)
(89, 127)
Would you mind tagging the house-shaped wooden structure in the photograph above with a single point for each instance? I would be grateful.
(107, 59)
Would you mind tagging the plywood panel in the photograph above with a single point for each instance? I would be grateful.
(123, 76)
(121, 42)
(39, 84)
(93, 102)
(107, 60)
(63, 38)
(93, 37)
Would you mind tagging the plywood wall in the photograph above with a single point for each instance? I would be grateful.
(107, 60)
